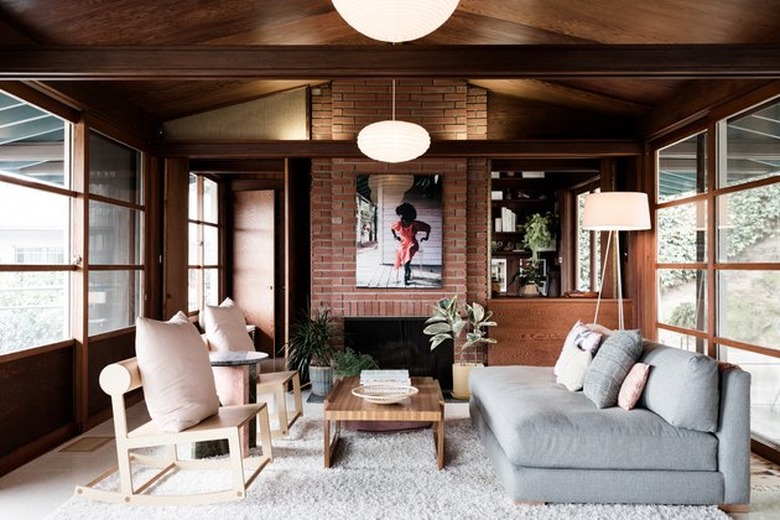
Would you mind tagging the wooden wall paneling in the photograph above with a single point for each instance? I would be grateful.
(153, 245)
(80, 279)
(36, 417)
(531, 331)
(104, 350)
(175, 253)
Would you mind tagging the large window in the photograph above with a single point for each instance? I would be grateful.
(204, 265)
(718, 251)
(588, 248)
(35, 237)
(115, 235)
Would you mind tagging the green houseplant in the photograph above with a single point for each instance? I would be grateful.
(348, 363)
(528, 276)
(311, 348)
(451, 323)
(539, 233)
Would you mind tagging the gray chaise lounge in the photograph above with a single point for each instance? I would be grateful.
(552, 445)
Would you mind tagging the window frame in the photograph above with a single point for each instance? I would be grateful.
(200, 267)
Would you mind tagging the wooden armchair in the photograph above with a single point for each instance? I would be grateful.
(119, 378)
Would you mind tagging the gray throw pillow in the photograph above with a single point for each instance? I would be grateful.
(610, 366)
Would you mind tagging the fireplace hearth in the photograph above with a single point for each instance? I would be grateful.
(400, 343)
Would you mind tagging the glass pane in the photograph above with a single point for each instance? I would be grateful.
(682, 233)
(193, 244)
(114, 235)
(34, 226)
(682, 298)
(210, 201)
(583, 248)
(114, 300)
(210, 245)
(193, 197)
(682, 341)
(33, 143)
(192, 290)
(749, 225)
(749, 308)
(33, 309)
(764, 390)
(114, 169)
(751, 146)
(682, 169)
(211, 286)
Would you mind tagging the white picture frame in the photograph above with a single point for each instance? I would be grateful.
(498, 272)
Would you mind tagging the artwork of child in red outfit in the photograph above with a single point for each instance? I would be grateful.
(405, 231)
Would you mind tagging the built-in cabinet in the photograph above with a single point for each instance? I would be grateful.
(515, 197)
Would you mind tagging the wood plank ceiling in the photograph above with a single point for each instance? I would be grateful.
(617, 102)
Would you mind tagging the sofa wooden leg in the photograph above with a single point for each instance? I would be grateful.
(734, 508)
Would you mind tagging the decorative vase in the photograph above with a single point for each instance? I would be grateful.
(460, 379)
(530, 290)
(321, 380)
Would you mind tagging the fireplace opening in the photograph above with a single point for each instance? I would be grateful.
(400, 343)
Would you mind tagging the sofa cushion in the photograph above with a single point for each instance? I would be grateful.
(682, 387)
(610, 366)
(541, 424)
(632, 386)
(573, 372)
(580, 337)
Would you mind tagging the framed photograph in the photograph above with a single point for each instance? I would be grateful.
(498, 276)
(399, 231)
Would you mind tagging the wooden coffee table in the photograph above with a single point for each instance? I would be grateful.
(426, 406)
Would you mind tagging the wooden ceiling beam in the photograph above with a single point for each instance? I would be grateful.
(682, 61)
(551, 148)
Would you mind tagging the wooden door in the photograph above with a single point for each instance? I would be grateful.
(254, 272)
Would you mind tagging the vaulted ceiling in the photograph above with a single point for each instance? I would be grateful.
(240, 24)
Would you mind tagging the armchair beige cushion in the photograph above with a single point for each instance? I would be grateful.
(226, 327)
(177, 378)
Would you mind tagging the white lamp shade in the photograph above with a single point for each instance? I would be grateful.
(616, 211)
(395, 20)
(393, 141)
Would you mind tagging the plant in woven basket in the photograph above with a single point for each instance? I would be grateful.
(450, 323)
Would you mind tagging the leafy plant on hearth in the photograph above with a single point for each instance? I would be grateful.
(451, 323)
(348, 363)
(312, 339)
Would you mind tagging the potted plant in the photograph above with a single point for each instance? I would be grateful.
(539, 233)
(528, 277)
(311, 349)
(347, 363)
(449, 323)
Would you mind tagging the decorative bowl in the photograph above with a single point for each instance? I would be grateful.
(384, 393)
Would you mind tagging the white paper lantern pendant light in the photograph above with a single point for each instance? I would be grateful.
(395, 20)
(393, 141)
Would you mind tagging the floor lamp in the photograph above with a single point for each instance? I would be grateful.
(615, 211)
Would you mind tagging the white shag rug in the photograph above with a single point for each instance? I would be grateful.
(375, 476)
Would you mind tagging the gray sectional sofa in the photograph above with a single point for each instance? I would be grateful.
(687, 441)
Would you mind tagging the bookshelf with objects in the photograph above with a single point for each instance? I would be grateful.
(519, 201)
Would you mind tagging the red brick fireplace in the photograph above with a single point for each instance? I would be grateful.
(448, 109)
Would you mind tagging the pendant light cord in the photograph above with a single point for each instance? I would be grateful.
(393, 100)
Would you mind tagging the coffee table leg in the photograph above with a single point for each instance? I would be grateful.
(330, 444)
(438, 437)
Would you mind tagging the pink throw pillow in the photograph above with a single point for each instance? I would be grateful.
(633, 385)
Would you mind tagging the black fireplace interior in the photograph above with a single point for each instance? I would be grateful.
(400, 343)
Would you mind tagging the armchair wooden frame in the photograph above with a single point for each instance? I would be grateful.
(277, 384)
(120, 378)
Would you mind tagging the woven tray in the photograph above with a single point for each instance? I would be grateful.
(384, 393)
